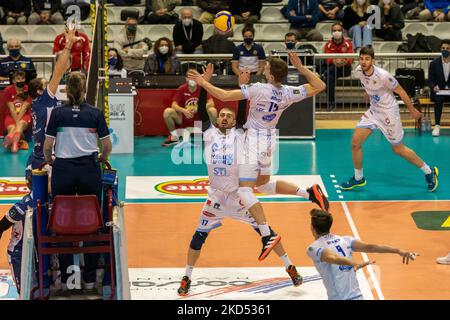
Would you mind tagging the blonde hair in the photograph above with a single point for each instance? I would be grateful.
(355, 6)
(76, 88)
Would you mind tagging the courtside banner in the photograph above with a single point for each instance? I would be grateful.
(13, 188)
(194, 187)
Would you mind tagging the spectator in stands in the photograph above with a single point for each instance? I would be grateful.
(2, 51)
(46, 12)
(303, 16)
(336, 68)
(412, 8)
(210, 9)
(160, 11)
(392, 21)
(188, 33)
(219, 43)
(355, 21)
(246, 11)
(437, 10)
(331, 10)
(163, 60)
(17, 11)
(439, 79)
(115, 64)
(248, 55)
(130, 49)
(15, 61)
(291, 40)
(183, 111)
(18, 117)
(81, 49)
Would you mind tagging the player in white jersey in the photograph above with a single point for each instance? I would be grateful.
(267, 102)
(333, 257)
(383, 114)
(221, 152)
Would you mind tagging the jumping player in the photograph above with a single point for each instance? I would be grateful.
(221, 152)
(383, 114)
(332, 256)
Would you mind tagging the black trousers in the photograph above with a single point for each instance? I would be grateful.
(78, 176)
(389, 34)
(438, 106)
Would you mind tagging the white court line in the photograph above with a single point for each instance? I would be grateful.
(364, 255)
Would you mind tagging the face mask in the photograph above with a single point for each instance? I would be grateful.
(361, 2)
(337, 35)
(192, 83)
(112, 61)
(187, 22)
(163, 49)
(14, 52)
(248, 41)
(386, 1)
(20, 84)
(132, 28)
(445, 53)
(290, 45)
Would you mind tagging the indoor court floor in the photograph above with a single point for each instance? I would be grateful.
(164, 201)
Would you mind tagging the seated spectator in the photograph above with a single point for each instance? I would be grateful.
(130, 48)
(115, 64)
(291, 40)
(336, 68)
(303, 16)
(392, 21)
(163, 60)
(160, 11)
(246, 11)
(412, 8)
(439, 79)
(15, 61)
(187, 33)
(46, 12)
(331, 10)
(81, 49)
(248, 55)
(183, 111)
(211, 8)
(355, 21)
(435, 10)
(17, 118)
(16, 11)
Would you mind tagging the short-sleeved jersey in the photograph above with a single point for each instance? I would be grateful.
(249, 59)
(379, 86)
(16, 215)
(76, 129)
(268, 102)
(41, 109)
(10, 95)
(221, 156)
(184, 97)
(340, 281)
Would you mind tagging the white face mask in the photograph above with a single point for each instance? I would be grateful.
(163, 49)
(192, 83)
(361, 2)
(187, 22)
(337, 35)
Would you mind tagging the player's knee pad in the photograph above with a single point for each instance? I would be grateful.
(247, 197)
(198, 240)
(269, 187)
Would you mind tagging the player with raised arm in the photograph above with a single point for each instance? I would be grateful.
(383, 114)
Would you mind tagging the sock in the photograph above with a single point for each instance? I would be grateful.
(188, 271)
(286, 260)
(425, 168)
(264, 229)
(359, 174)
(174, 134)
(303, 193)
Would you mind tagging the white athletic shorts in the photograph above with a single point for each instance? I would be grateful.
(219, 205)
(389, 122)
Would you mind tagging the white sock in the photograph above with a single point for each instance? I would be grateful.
(359, 174)
(264, 229)
(286, 260)
(425, 168)
(303, 193)
(174, 134)
(188, 271)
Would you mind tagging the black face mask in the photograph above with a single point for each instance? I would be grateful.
(248, 41)
(20, 84)
(132, 28)
(290, 45)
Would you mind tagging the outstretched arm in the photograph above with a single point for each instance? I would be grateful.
(315, 85)
(359, 246)
(329, 256)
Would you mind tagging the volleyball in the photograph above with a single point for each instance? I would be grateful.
(224, 21)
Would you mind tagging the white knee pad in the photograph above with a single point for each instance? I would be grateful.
(269, 188)
(247, 197)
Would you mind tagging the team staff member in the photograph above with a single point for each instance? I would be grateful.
(74, 128)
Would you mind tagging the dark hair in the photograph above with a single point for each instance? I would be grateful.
(367, 51)
(248, 27)
(229, 109)
(445, 41)
(337, 23)
(321, 221)
(76, 88)
(33, 87)
(290, 34)
(278, 68)
(19, 73)
(119, 65)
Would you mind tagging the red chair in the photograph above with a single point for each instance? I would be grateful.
(74, 219)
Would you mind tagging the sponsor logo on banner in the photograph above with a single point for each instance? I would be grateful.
(196, 187)
(12, 188)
